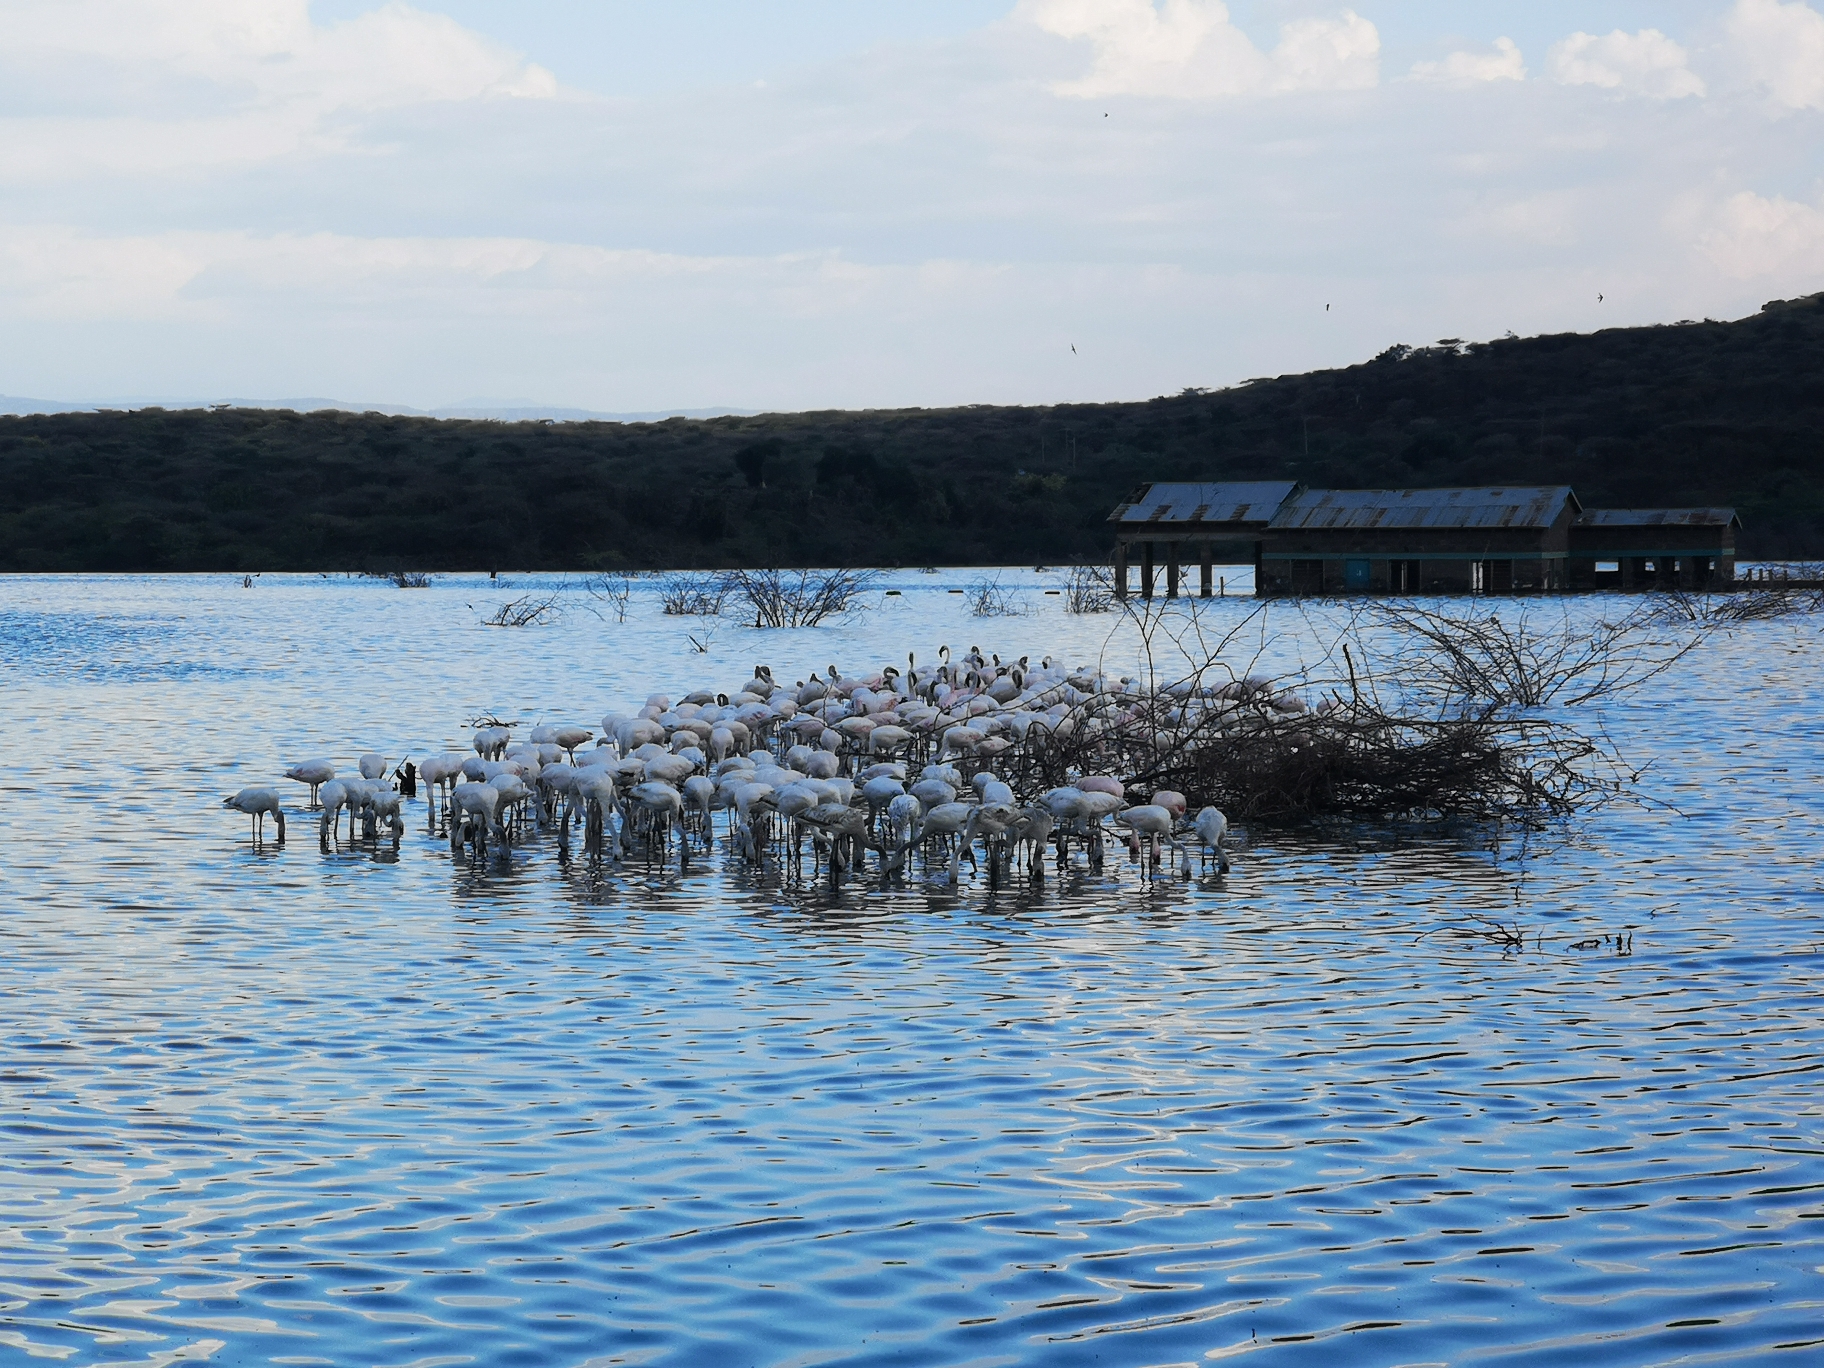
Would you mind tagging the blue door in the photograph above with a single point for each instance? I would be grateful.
(1355, 574)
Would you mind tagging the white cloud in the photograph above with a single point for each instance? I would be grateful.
(1644, 63)
(1754, 237)
(60, 272)
(57, 273)
(329, 313)
(155, 85)
(1188, 49)
(1783, 46)
(270, 49)
(249, 203)
(1549, 219)
(1464, 69)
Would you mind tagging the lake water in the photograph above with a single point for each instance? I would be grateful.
(279, 1106)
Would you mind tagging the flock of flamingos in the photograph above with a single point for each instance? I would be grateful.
(900, 766)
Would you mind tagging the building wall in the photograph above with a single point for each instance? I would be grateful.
(1638, 573)
(1312, 561)
(1336, 576)
(1476, 543)
(1494, 560)
(1651, 557)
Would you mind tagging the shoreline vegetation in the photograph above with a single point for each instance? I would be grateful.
(1686, 414)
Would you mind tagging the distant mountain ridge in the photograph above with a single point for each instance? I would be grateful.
(1677, 415)
(16, 405)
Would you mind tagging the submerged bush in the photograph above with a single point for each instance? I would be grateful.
(991, 598)
(800, 598)
(688, 595)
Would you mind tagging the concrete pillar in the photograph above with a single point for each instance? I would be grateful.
(1171, 570)
(1146, 570)
(1205, 567)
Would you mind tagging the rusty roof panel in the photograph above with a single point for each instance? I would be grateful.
(1205, 503)
(1658, 517)
(1528, 506)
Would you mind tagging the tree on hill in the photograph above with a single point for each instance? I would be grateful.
(1680, 414)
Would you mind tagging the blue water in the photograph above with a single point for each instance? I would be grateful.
(272, 1105)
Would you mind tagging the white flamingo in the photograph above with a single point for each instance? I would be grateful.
(662, 804)
(944, 822)
(902, 818)
(569, 738)
(1031, 829)
(383, 803)
(316, 773)
(256, 803)
(334, 797)
(1149, 824)
(699, 792)
(595, 787)
(1211, 828)
(441, 772)
(477, 805)
(878, 792)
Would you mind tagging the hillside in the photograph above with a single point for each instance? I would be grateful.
(1687, 413)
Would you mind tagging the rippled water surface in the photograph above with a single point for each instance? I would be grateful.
(271, 1105)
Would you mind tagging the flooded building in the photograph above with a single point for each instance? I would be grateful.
(1506, 539)
(1495, 540)
(1653, 548)
(1171, 524)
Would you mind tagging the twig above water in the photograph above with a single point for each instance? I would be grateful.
(529, 610)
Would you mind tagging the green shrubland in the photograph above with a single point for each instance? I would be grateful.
(1686, 413)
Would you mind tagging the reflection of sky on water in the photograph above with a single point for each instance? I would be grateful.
(352, 1107)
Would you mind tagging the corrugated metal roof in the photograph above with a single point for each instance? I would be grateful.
(1254, 502)
(1657, 517)
(1365, 509)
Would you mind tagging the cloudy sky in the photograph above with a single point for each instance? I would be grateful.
(857, 203)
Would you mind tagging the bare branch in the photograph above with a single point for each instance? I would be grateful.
(694, 595)
(613, 590)
(1088, 589)
(529, 610)
(990, 598)
(800, 598)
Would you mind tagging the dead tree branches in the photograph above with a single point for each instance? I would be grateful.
(988, 597)
(1088, 589)
(613, 590)
(683, 594)
(1464, 663)
(528, 610)
(1775, 600)
(1407, 713)
(800, 598)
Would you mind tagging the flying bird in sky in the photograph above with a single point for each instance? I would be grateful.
(1599, 299)
(1073, 348)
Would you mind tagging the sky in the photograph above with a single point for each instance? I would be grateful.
(874, 203)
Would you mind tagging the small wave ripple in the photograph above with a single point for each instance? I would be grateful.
(277, 1106)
